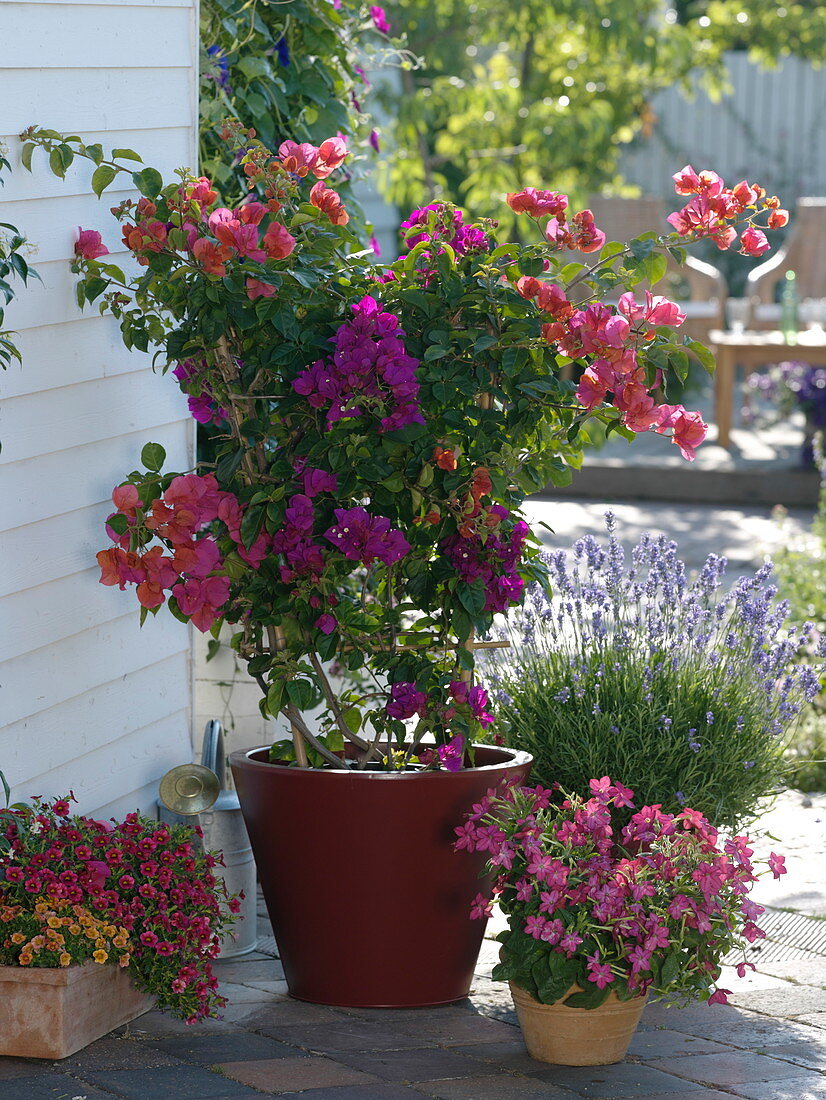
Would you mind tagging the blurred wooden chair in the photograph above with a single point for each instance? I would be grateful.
(698, 287)
(804, 252)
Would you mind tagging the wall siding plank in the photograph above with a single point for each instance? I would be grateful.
(51, 484)
(35, 681)
(145, 754)
(159, 147)
(101, 99)
(88, 699)
(89, 721)
(55, 34)
(771, 129)
(90, 410)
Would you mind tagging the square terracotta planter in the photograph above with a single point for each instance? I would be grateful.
(51, 1013)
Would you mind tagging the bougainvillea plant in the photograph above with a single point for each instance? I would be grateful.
(592, 909)
(12, 264)
(378, 428)
(133, 894)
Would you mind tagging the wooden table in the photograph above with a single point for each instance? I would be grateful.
(754, 349)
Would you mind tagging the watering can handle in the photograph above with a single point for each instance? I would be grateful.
(213, 755)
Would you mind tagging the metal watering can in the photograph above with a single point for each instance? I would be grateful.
(196, 794)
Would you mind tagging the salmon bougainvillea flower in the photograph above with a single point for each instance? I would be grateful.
(278, 242)
(329, 203)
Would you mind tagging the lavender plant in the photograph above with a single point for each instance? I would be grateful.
(679, 690)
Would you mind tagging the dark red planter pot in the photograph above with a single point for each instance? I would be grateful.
(368, 900)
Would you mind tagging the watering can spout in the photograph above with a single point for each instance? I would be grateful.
(213, 754)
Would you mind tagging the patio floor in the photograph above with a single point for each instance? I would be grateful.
(769, 1044)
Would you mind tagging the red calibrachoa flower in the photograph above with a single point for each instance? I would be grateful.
(74, 889)
(656, 905)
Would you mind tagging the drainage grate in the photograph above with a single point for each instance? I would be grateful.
(789, 936)
(266, 945)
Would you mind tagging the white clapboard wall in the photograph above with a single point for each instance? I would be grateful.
(770, 128)
(88, 700)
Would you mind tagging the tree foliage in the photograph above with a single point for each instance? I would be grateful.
(546, 92)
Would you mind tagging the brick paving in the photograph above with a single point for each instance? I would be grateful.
(770, 1044)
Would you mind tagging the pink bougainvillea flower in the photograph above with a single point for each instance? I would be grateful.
(331, 154)
(212, 257)
(126, 499)
(251, 213)
(200, 600)
(778, 218)
(379, 17)
(89, 244)
(326, 624)
(537, 203)
(452, 755)
(405, 700)
(688, 428)
(656, 311)
(298, 159)
(753, 242)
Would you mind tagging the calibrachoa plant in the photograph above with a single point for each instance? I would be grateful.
(134, 894)
(682, 689)
(378, 429)
(594, 909)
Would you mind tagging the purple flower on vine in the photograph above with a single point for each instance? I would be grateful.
(200, 397)
(405, 700)
(451, 755)
(370, 371)
(365, 538)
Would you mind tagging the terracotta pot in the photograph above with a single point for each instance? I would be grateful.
(577, 1036)
(368, 900)
(51, 1013)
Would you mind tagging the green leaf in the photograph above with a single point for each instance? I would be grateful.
(472, 598)
(589, 998)
(101, 178)
(251, 524)
(531, 265)
(94, 287)
(66, 154)
(670, 970)
(435, 352)
(126, 154)
(153, 456)
(26, 155)
(275, 694)
(302, 693)
(6, 788)
(119, 524)
(149, 182)
(705, 356)
(56, 163)
(655, 267)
